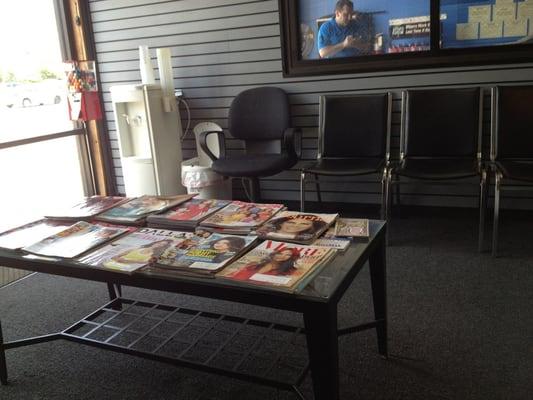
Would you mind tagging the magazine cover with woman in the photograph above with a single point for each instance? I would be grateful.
(209, 255)
(277, 264)
(135, 250)
(296, 227)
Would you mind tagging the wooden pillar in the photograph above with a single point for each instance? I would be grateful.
(81, 47)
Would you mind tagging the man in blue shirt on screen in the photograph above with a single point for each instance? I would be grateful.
(342, 36)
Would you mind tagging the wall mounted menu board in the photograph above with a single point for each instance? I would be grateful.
(329, 36)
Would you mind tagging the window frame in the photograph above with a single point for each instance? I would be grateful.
(436, 57)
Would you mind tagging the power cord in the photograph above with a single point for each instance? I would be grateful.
(186, 130)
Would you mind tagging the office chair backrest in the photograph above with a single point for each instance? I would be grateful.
(354, 125)
(514, 122)
(259, 114)
(441, 123)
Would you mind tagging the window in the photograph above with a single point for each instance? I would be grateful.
(43, 156)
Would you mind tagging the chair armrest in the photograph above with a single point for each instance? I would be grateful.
(221, 144)
(290, 135)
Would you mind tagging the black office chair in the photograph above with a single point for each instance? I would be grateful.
(353, 139)
(260, 118)
(511, 144)
(440, 140)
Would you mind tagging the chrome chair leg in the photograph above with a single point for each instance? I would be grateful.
(496, 214)
(482, 206)
(397, 180)
(384, 194)
(255, 190)
(318, 195)
(302, 191)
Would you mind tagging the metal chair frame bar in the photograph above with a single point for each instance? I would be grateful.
(321, 134)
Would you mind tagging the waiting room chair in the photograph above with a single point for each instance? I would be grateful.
(353, 139)
(440, 140)
(511, 144)
(260, 118)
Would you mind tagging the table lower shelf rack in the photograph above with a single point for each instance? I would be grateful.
(267, 353)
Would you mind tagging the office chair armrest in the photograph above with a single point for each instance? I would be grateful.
(290, 135)
(221, 144)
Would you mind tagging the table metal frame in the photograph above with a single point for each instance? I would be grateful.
(319, 313)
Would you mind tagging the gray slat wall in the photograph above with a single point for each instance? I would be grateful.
(221, 47)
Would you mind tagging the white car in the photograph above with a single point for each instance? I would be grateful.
(32, 94)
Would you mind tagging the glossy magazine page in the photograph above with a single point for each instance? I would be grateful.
(211, 254)
(192, 211)
(241, 214)
(28, 234)
(142, 206)
(89, 207)
(276, 264)
(352, 227)
(135, 250)
(296, 226)
(75, 240)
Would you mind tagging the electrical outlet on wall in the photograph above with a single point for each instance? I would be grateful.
(178, 93)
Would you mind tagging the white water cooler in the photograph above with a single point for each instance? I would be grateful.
(149, 140)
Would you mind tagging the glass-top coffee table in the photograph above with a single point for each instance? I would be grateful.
(267, 353)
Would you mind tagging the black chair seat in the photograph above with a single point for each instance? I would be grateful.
(344, 166)
(521, 171)
(438, 169)
(253, 165)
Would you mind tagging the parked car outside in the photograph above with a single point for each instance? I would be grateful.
(15, 94)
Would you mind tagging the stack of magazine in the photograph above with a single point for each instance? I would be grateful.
(135, 211)
(283, 266)
(75, 240)
(17, 238)
(295, 247)
(186, 216)
(134, 251)
(88, 208)
(297, 227)
(205, 256)
(240, 218)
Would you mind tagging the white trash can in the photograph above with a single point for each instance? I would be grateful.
(204, 181)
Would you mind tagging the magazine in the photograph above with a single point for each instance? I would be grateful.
(292, 226)
(27, 234)
(88, 208)
(351, 227)
(169, 256)
(75, 240)
(136, 210)
(135, 250)
(157, 270)
(240, 217)
(209, 255)
(333, 243)
(278, 265)
(186, 215)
